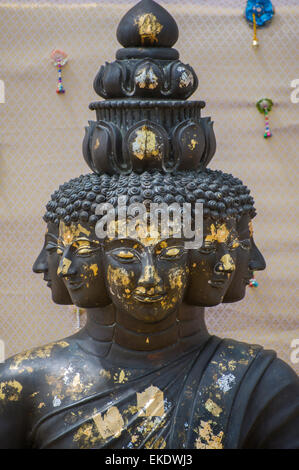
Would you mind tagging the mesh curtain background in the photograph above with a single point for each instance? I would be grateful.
(41, 135)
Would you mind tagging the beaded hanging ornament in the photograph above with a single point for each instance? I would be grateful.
(264, 106)
(253, 283)
(258, 13)
(59, 59)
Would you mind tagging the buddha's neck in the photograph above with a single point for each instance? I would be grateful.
(117, 336)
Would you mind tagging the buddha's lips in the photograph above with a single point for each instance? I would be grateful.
(149, 298)
(217, 282)
(48, 281)
(74, 285)
(247, 279)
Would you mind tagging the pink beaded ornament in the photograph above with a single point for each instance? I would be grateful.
(59, 59)
(264, 106)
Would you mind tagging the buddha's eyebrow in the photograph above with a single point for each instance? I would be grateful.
(84, 239)
(81, 239)
(244, 233)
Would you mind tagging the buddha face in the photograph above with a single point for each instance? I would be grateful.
(146, 277)
(213, 265)
(47, 263)
(80, 265)
(249, 259)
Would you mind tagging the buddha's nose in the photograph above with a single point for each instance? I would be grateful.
(66, 267)
(257, 261)
(225, 265)
(149, 277)
(41, 264)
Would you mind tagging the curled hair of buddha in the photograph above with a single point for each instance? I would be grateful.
(222, 194)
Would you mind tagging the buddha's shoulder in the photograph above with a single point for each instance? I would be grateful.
(232, 356)
(32, 362)
(230, 349)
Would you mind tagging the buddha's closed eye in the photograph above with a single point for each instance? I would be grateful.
(124, 255)
(207, 248)
(172, 253)
(51, 247)
(81, 248)
(245, 244)
(85, 250)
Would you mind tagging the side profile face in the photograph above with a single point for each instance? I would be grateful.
(249, 259)
(47, 263)
(146, 277)
(256, 260)
(79, 267)
(213, 265)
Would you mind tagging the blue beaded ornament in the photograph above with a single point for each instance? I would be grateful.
(263, 10)
(258, 13)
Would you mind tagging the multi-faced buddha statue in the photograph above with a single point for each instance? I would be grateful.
(144, 372)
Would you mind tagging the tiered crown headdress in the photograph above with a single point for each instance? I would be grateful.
(148, 143)
(145, 121)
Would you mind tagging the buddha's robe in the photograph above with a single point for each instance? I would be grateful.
(225, 394)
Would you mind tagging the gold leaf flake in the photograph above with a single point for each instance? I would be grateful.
(151, 402)
(207, 439)
(110, 424)
(213, 408)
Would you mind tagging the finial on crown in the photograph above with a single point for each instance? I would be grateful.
(145, 122)
(147, 66)
(147, 24)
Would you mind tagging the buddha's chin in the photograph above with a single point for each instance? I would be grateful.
(150, 312)
(205, 301)
(235, 298)
(90, 304)
(61, 300)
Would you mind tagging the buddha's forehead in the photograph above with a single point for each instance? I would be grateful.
(219, 231)
(155, 245)
(244, 225)
(52, 229)
(147, 233)
(69, 233)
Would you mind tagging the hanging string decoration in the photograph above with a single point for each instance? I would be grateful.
(258, 13)
(59, 59)
(264, 106)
